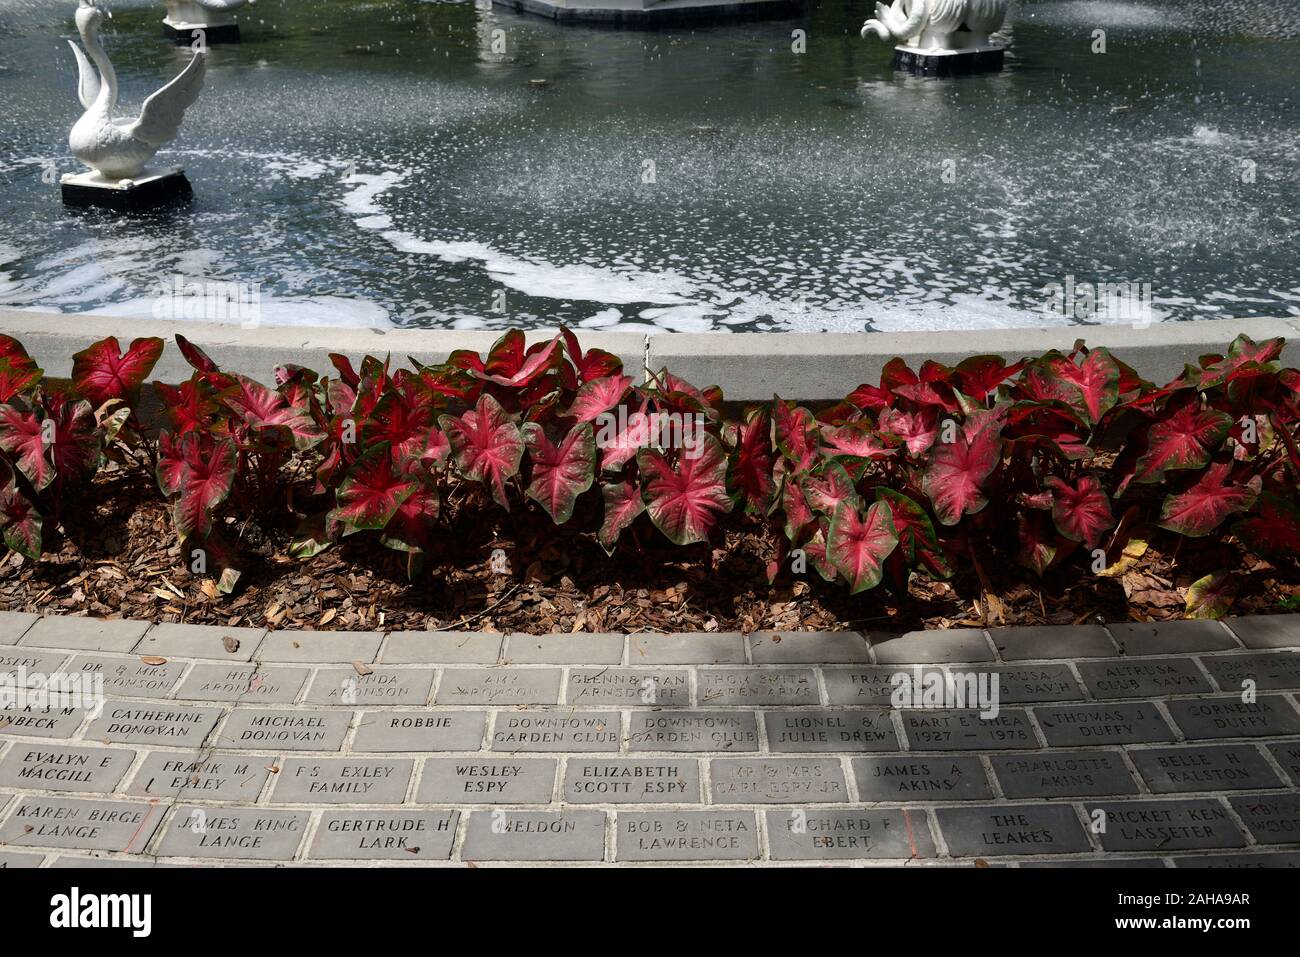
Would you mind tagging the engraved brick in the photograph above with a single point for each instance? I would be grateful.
(244, 833)
(1170, 637)
(997, 831)
(41, 722)
(320, 647)
(536, 730)
(33, 666)
(808, 647)
(815, 729)
(721, 648)
(661, 687)
(189, 776)
(501, 835)
(246, 683)
(1052, 641)
(174, 640)
(14, 624)
(1026, 684)
(1165, 825)
(441, 648)
(342, 781)
(1267, 631)
(930, 647)
(721, 687)
(1274, 860)
(498, 780)
(1270, 818)
(420, 731)
(831, 834)
(968, 731)
(777, 781)
(499, 686)
(632, 781)
(871, 685)
(84, 634)
(1212, 767)
(382, 686)
(87, 825)
(1271, 671)
(687, 836)
(265, 729)
(13, 862)
(575, 649)
(1233, 718)
(160, 723)
(1143, 677)
(915, 778)
(385, 835)
(130, 677)
(1069, 726)
(54, 767)
(1063, 774)
(693, 731)
(1287, 754)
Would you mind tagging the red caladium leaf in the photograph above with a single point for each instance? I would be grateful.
(796, 434)
(1245, 357)
(195, 356)
(855, 439)
(77, 448)
(263, 408)
(187, 406)
(404, 422)
(798, 513)
(1273, 530)
(595, 364)
(1184, 439)
(870, 399)
(206, 481)
(486, 445)
(18, 374)
(1091, 388)
(825, 491)
(858, 546)
(20, 521)
(1211, 596)
(620, 440)
(560, 472)
(346, 373)
(751, 467)
(23, 436)
(930, 388)
(917, 541)
(370, 495)
(954, 479)
(815, 552)
(11, 348)
(980, 375)
(1081, 511)
(685, 503)
(102, 371)
(1037, 542)
(1204, 506)
(171, 462)
(538, 361)
(598, 396)
(916, 430)
(623, 503)
(411, 527)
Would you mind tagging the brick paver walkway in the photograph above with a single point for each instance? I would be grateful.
(1134, 745)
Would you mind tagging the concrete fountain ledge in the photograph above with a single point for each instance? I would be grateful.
(235, 746)
(749, 367)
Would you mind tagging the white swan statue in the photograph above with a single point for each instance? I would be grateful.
(119, 149)
(185, 16)
(938, 26)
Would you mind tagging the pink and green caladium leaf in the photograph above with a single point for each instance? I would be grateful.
(509, 364)
(955, 476)
(1245, 357)
(623, 503)
(264, 408)
(1273, 530)
(1203, 507)
(411, 527)
(858, 546)
(796, 434)
(1037, 542)
(685, 503)
(171, 463)
(826, 490)
(18, 374)
(560, 472)
(24, 436)
(77, 450)
(594, 364)
(916, 430)
(208, 477)
(916, 536)
(855, 439)
(597, 396)
(1211, 596)
(1080, 511)
(752, 463)
(102, 371)
(1090, 388)
(371, 493)
(1184, 439)
(486, 445)
(794, 504)
(20, 521)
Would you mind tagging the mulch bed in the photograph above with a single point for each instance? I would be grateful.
(125, 561)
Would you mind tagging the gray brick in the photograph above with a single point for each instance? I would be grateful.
(723, 687)
(535, 836)
(687, 731)
(916, 778)
(53, 767)
(177, 640)
(1025, 684)
(870, 685)
(1205, 767)
(16, 661)
(628, 686)
(1270, 818)
(86, 825)
(833, 834)
(997, 831)
(808, 647)
(385, 835)
(495, 780)
(1063, 774)
(686, 836)
(342, 781)
(777, 781)
(576, 649)
(1143, 677)
(1165, 826)
(247, 683)
(268, 729)
(1287, 754)
(816, 729)
(159, 723)
(1233, 718)
(499, 686)
(210, 777)
(46, 722)
(967, 731)
(1267, 631)
(113, 863)
(383, 686)
(1126, 722)
(14, 624)
(130, 677)
(420, 731)
(1170, 637)
(244, 833)
(930, 647)
(84, 634)
(1285, 859)
(537, 730)
(441, 648)
(720, 648)
(1271, 671)
(13, 862)
(1052, 641)
(320, 647)
(631, 781)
